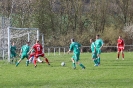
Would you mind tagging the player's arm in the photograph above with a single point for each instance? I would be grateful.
(81, 49)
(117, 44)
(30, 50)
(94, 47)
(20, 52)
(123, 44)
(70, 49)
(15, 49)
(102, 44)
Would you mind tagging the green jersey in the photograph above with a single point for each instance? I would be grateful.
(99, 43)
(75, 47)
(13, 49)
(93, 46)
(25, 49)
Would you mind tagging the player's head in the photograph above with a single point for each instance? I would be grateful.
(28, 43)
(72, 39)
(13, 43)
(91, 40)
(97, 36)
(37, 41)
(119, 36)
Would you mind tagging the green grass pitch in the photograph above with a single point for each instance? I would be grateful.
(111, 73)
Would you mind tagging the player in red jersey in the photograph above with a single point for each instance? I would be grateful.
(38, 52)
(120, 47)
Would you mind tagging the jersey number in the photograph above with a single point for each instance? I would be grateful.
(38, 48)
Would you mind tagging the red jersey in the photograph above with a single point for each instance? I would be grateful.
(120, 43)
(38, 48)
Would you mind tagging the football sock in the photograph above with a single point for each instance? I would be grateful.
(95, 61)
(122, 55)
(74, 65)
(17, 64)
(34, 62)
(82, 65)
(118, 55)
(31, 59)
(46, 60)
(98, 60)
(27, 62)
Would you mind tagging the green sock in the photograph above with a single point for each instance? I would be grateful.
(17, 64)
(98, 60)
(74, 66)
(95, 61)
(27, 62)
(82, 65)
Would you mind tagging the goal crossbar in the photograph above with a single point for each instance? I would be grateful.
(14, 28)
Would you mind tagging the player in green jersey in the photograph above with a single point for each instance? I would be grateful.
(99, 44)
(23, 53)
(13, 52)
(94, 53)
(75, 47)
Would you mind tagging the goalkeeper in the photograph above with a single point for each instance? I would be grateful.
(13, 52)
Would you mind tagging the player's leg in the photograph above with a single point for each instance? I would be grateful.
(27, 61)
(18, 62)
(15, 58)
(12, 57)
(94, 57)
(45, 59)
(22, 57)
(98, 56)
(77, 60)
(35, 60)
(122, 54)
(118, 53)
(73, 62)
(31, 59)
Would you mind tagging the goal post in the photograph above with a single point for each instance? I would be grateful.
(21, 36)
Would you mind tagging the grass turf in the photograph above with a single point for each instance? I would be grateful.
(111, 73)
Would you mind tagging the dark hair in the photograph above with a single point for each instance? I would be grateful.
(28, 42)
(72, 39)
(98, 35)
(92, 40)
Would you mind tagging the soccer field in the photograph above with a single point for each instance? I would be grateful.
(111, 73)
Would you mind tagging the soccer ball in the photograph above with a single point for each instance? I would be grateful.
(62, 63)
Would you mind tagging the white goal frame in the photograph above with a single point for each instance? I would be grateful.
(13, 28)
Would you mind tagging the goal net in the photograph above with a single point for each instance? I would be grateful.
(20, 36)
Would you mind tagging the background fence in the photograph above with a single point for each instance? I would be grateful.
(59, 50)
(63, 50)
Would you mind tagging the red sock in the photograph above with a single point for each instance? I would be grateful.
(46, 60)
(118, 55)
(122, 55)
(34, 62)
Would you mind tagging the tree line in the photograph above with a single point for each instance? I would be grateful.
(60, 20)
